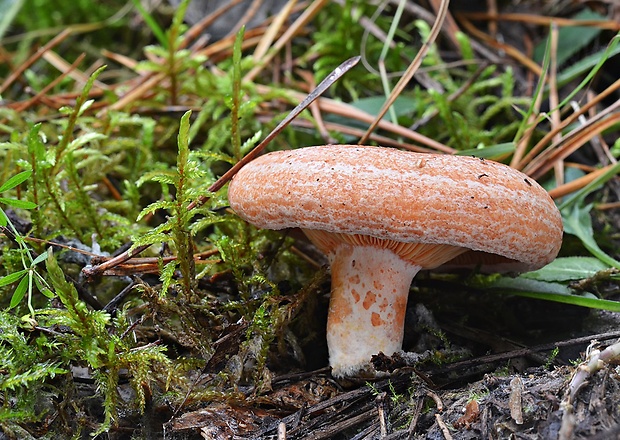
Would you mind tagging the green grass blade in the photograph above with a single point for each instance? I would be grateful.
(576, 300)
(151, 23)
(547, 291)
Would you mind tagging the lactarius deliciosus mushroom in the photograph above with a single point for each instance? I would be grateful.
(381, 215)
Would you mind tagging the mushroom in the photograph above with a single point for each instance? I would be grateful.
(381, 215)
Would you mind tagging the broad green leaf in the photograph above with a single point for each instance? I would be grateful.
(19, 293)
(12, 277)
(567, 268)
(23, 204)
(520, 283)
(45, 290)
(577, 221)
(15, 180)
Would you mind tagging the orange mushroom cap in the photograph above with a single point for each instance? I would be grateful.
(381, 215)
(403, 196)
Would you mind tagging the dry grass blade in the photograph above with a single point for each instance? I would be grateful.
(575, 185)
(308, 14)
(413, 67)
(554, 100)
(315, 109)
(144, 85)
(541, 20)
(572, 141)
(30, 61)
(274, 29)
(379, 139)
(450, 28)
(540, 145)
(62, 65)
(245, 18)
(22, 106)
(524, 141)
(328, 105)
(508, 49)
(305, 102)
(197, 29)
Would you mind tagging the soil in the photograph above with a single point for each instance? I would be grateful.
(520, 393)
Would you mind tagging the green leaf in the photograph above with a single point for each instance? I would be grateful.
(43, 288)
(161, 176)
(36, 147)
(577, 221)
(23, 204)
(179, 16)
(167, 276)
(521, 283)
(567, 269)
(11, 278)
(42, 257)
(15, 180)
(403, 105)
(153, 207)
(576, 300)
(33, 376)
(551, 292)
(19, 293)
(65, 291)
(249, 143)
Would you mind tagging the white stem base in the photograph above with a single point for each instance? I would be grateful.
(367, 308)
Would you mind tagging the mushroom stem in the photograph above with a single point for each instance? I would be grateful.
(370, 286)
